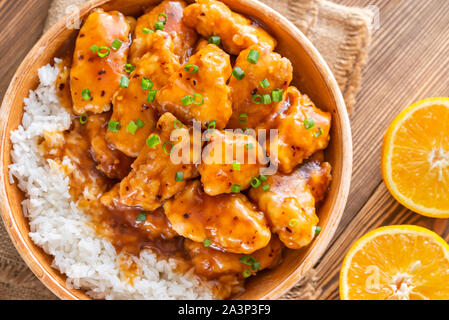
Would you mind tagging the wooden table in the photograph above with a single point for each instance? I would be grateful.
(409, 61)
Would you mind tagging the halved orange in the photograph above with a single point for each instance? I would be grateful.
(415, 157)
(396, 263)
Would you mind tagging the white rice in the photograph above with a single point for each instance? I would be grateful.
(61, 229)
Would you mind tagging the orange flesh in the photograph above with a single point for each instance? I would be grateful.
(393, 266)
(420, 158)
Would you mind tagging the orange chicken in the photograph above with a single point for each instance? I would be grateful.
(99, 59)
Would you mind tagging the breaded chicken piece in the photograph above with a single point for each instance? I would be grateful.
(155, 177)
(202, 95)
(183, 37)
(230, 159)
(134, 105)
(319, 177)
(200, 44)
(113, 163)
(212, 263)
(248, 93)
(303, 129)
(94, 79)
(230, 221)
(289, 204)
(155, 225)
(237, 33)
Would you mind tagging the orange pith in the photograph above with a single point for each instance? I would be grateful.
(415, 157)
(396, 263)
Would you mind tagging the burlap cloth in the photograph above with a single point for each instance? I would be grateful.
(341, 34)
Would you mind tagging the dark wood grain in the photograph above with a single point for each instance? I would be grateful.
(408, 61)
(21, 24)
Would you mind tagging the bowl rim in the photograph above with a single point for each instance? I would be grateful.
(320, 244)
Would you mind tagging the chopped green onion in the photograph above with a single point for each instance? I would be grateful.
(238, 73)
(116, 44)
(191, 68)
(236, 166)
(215, 40)
(255, 183)
(266, 187)
(124, 82)
(293, 223)
(317, 230)
(151, 95)
(179, 176)
(171, 148)
(153, 141)
(177, 124)
(266, 99)
(277, 95)
(146, 84)
(249, 146)
(84, 118)
(103, 51)
(318, 133)
(257, 99)
(114, 126)
(195, 99)
(243, 118)
(256, 266)
(236, 188)
(309, 123)
(248, 260)
(159, 25)
(186, 100)
(211, 125)
(147, 31)
(207, 242)
(140, 123)
(264, 84)
(94, 48)
(86, 94)
(246, 273)
(142, 216)
(164, 16)
(253, 56)
(263, 178)
(132, 127)
(129, 68)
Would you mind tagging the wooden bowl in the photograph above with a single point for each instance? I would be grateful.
(311, 76)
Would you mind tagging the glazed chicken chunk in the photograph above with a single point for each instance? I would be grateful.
(155, 225)
(231, 269)
(237, 33)
(100, 55)
(303, 129)
(253, 95)
(199, 91)
(134, 106)
(113, 163)
(155, 175)
(229, 221)
(230, 162)
(213, 263)
(170, 14)
(289, 204)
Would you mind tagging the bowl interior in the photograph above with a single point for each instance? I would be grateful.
(311, 76)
